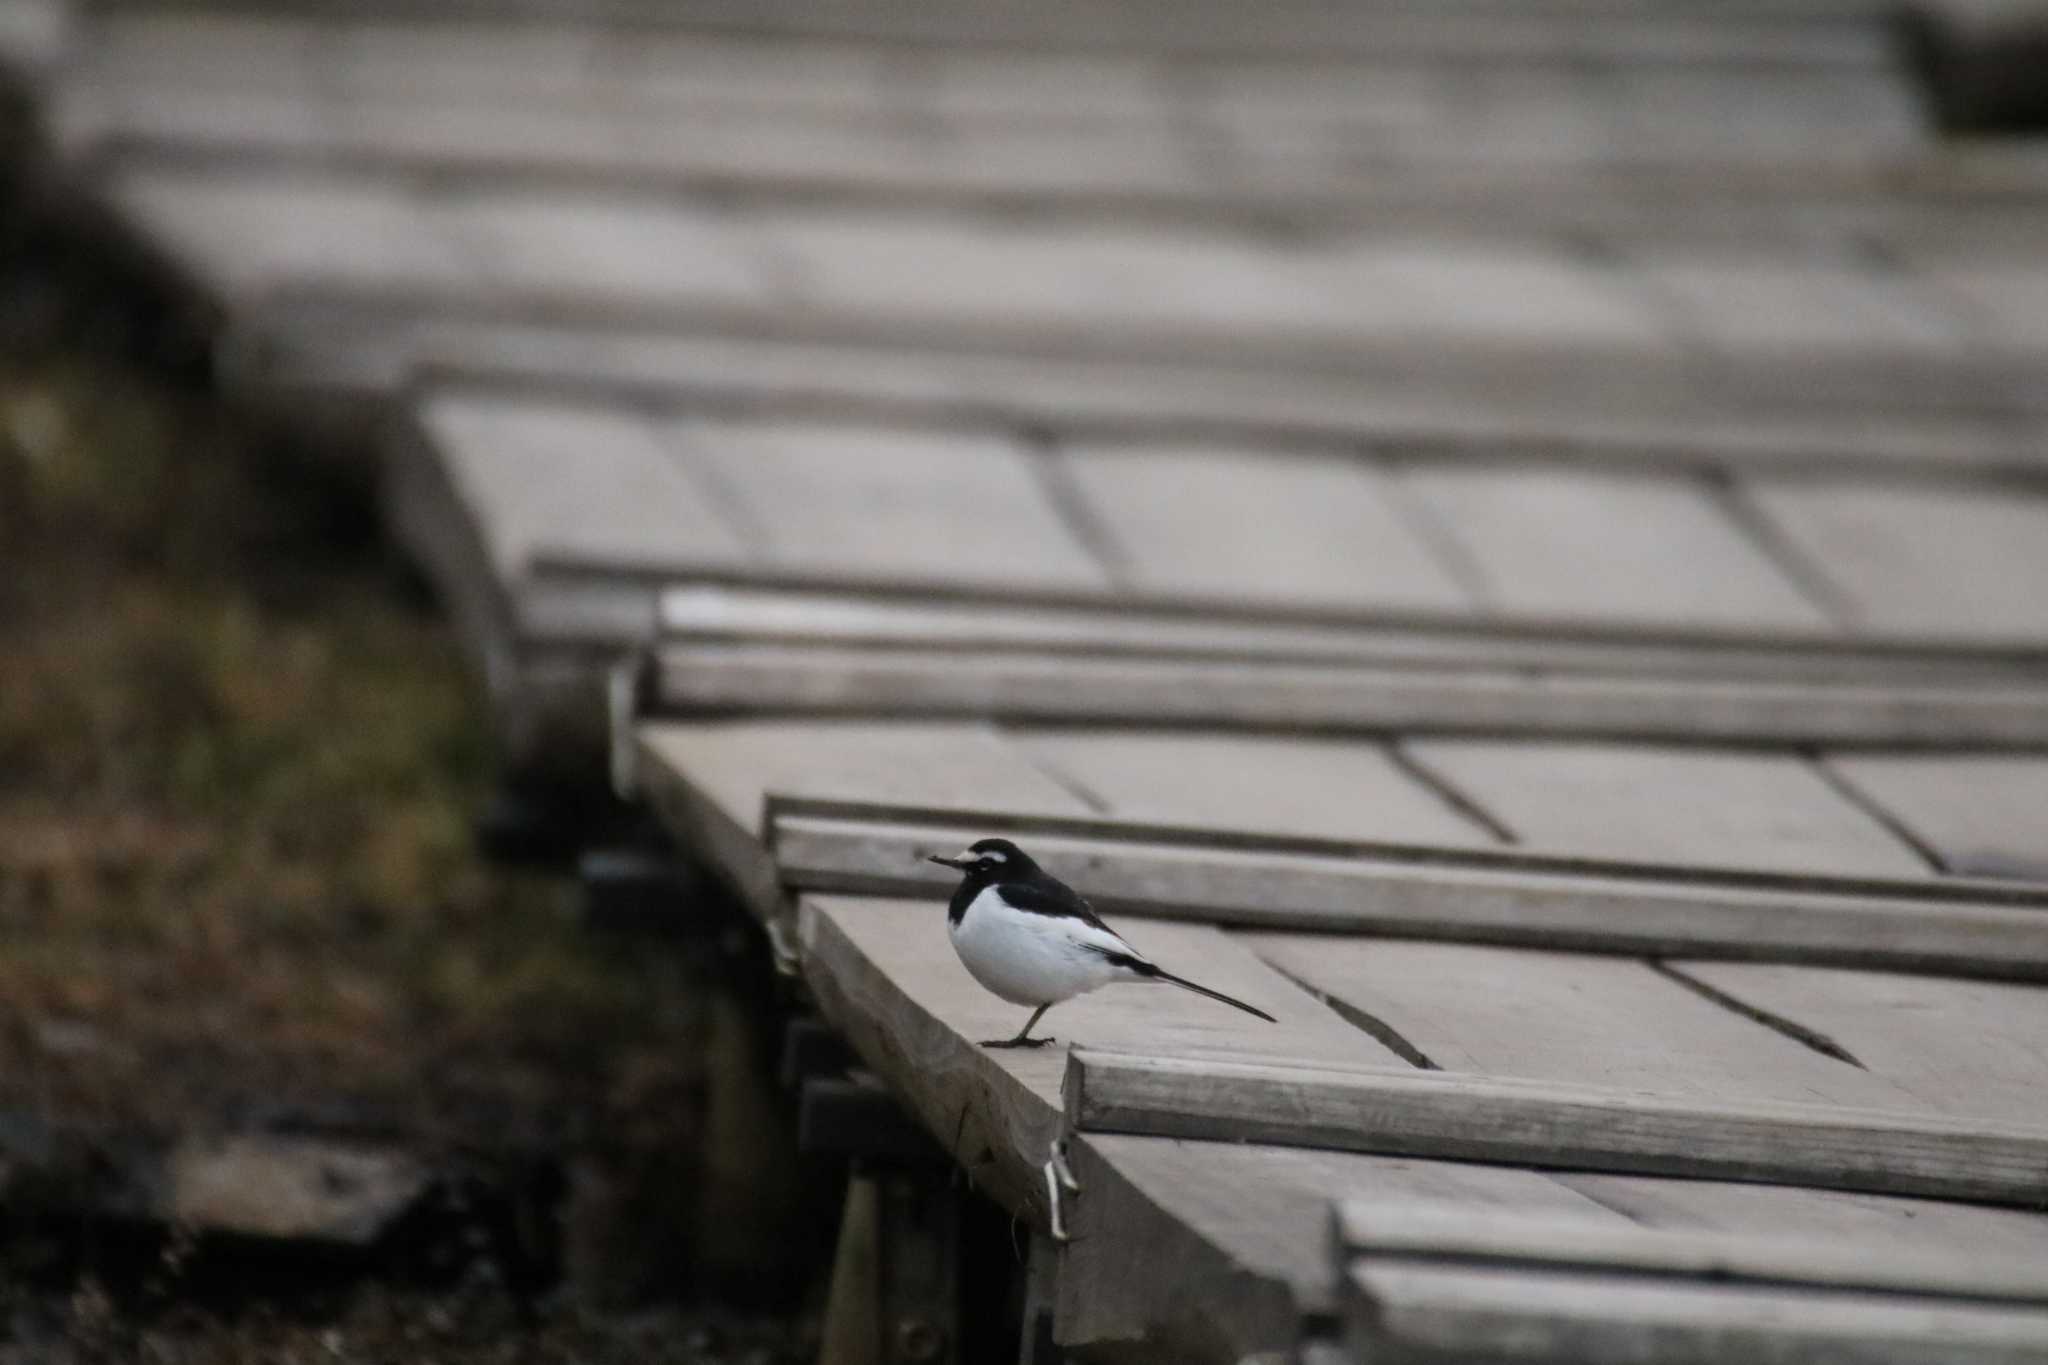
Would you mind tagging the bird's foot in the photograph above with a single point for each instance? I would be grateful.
(1017, 1042)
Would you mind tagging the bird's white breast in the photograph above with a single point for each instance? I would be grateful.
(1032, 959)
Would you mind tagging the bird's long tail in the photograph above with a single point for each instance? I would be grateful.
(1170, 979)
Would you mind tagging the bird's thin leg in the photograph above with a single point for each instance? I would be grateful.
(1023, 1038)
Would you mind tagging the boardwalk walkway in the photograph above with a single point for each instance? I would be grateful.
(1513, 536)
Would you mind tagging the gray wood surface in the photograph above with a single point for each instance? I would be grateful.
(1965, 562)
(1759, 810)
(603, 250)
(1255, 525)
(1981, 814)
(1564, 543)
(583, 482)
(1779, 323)
(247, 234)
(2018, 1237)
(1385, 1227)
(1964, 1047)
(1574, 1018)
(854, 503)
(739, 763)
(1323, 787)
(549, 36)
(1511, 305)
(1422, 1313)
(828, 678)
(1437, 1114)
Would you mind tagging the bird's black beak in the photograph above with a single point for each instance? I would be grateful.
(957, 864)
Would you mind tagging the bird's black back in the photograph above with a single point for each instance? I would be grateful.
(1028, 887)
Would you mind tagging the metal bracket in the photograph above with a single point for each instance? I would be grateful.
(1059, 1176)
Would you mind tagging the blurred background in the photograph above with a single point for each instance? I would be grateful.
(333, 342)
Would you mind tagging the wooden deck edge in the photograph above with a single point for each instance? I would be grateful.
(988, 1120)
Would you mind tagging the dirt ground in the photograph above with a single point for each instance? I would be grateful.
(239, 761)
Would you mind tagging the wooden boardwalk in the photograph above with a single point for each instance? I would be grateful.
(1514, 537)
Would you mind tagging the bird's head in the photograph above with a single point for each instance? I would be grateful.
(989, 860)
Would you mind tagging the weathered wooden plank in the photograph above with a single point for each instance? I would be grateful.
(1963, 1047)
(768, 614)
(1250, 874)
(712, 782)
(1570, 1017)
(1327, 788)
(1753, 810)
(1983, 815)
(1963, 561)
(1230, 877)
(2005, 289)
(2018, 1238)
(1236, 1244)
(1255, 525)
(248, 234)
(602, 248)
(1558, 542)
(898, 505)
(1449, 1232)
(827, 678)
(1501, 299)
(1446, 410)
(1341, 299)
(586, 481)
(1821, 325)
(1437, 1114)
(1825, 38)
(1094, 285)
(1419, 1312)
(738, 764)
(1498, 168)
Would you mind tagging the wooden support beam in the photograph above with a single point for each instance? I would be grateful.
(842, 1117)
(839, 680)
(739, 613)
(1445, 1115)
(1485, 895)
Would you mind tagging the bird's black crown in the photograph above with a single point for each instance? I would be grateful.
(990, 860)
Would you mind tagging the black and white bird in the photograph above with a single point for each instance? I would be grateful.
(1033, 940)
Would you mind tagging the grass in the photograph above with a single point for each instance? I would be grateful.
(238, 756)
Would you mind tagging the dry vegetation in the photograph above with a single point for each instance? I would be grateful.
(238, 888)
